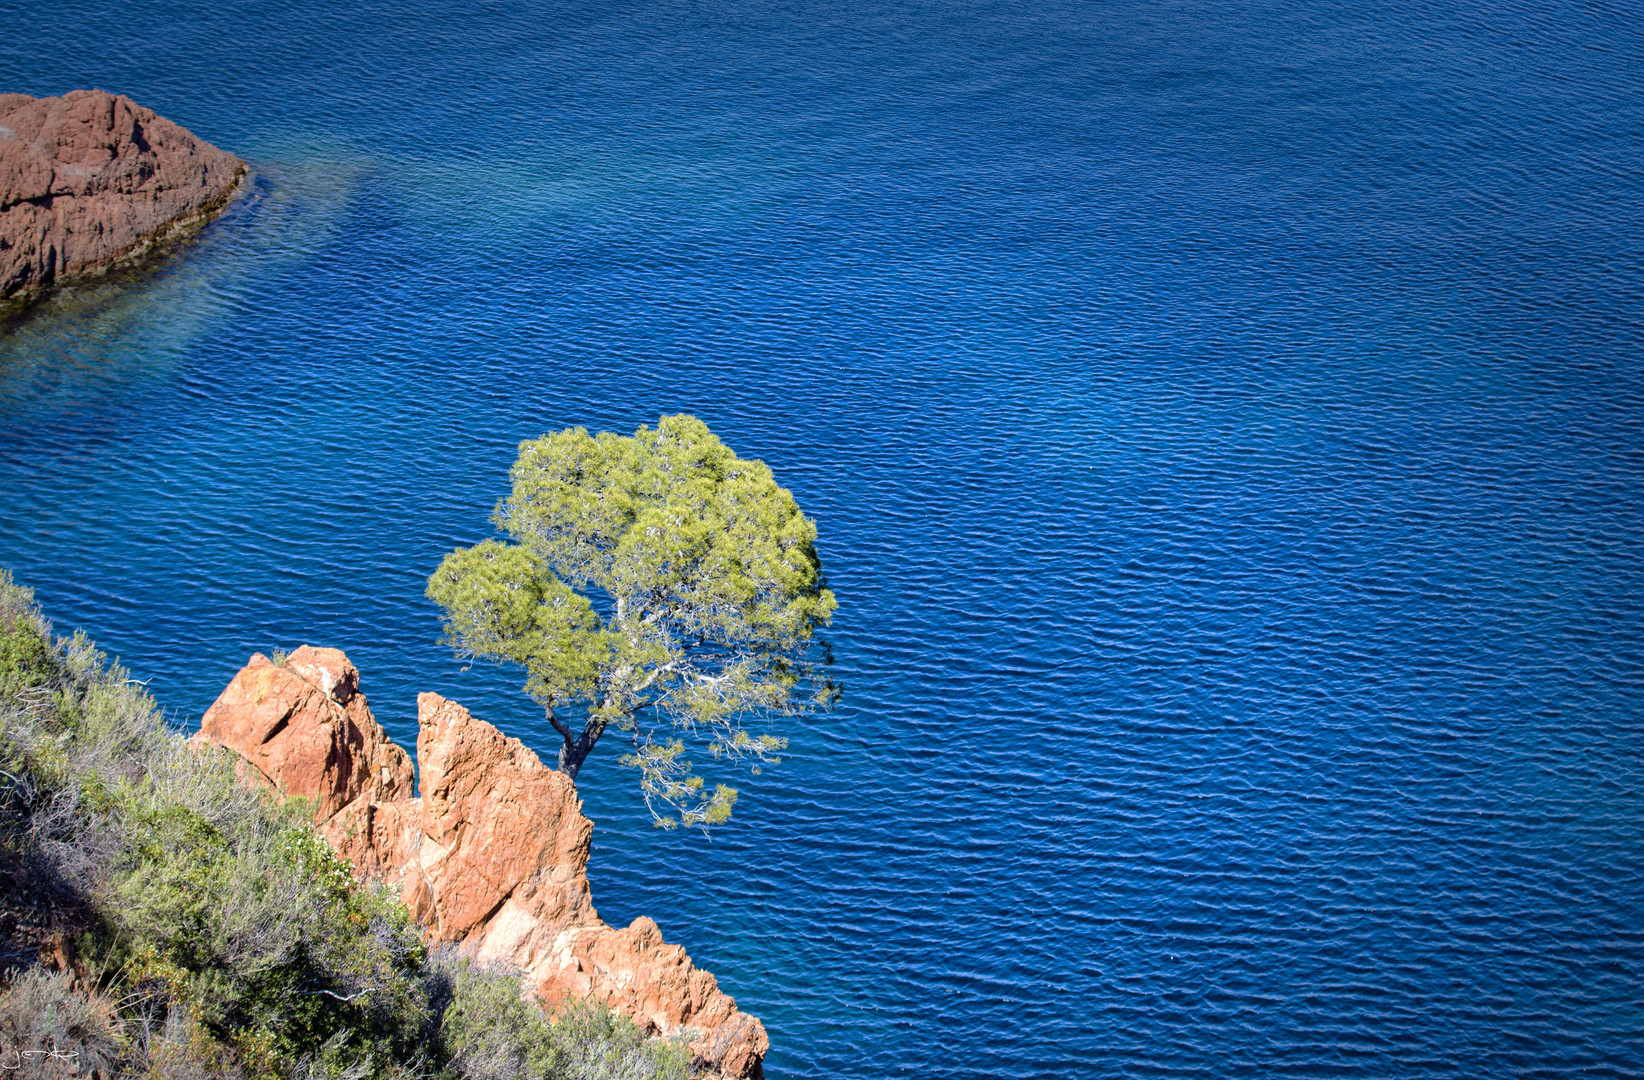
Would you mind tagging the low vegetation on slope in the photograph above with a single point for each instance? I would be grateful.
(161, 918)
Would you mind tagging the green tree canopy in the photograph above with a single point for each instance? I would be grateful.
(657, 584)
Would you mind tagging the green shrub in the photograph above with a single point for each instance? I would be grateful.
(600, 1044)
(492, 1032)
(217, 933)
(25, 656)
(489, 1030)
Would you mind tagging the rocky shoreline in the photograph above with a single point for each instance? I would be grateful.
(92, 180)
(491, 857)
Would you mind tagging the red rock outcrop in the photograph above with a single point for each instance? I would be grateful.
(90, 178)
(493, 855)
(307, 730)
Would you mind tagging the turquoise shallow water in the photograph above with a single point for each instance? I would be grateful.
(1222, 422)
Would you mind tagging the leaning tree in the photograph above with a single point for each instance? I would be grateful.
(657, 584)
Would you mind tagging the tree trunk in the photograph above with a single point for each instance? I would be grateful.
(573, 752)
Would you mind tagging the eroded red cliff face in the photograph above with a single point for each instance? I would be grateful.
(491, 857)
(89, 178)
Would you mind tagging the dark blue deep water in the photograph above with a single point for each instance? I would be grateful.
(1225, 424)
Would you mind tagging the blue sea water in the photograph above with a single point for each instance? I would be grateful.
(1223, 423)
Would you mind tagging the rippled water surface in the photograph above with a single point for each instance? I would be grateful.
(1223, 421)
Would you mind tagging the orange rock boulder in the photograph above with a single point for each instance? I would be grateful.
(503, 841)
(306, 729)
(492, 857)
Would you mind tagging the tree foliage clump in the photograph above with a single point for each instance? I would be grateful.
(657, 584)
(199, 927)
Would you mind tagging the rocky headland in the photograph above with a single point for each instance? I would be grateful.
(491, 856)
(90, 180)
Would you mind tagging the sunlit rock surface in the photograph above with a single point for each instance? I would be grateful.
(491, 857)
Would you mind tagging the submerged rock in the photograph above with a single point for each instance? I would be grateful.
(90, 179)
(491, 857)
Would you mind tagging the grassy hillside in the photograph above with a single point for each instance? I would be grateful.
(160, 918)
